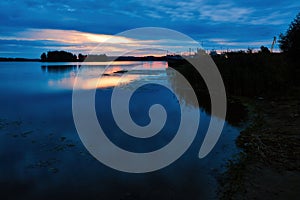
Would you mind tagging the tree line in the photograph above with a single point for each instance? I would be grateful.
(261, 74)
(64, 56)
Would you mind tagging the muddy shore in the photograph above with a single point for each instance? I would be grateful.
(269, 165)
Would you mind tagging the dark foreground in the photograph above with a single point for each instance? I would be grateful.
(269, 165)
(269, 168)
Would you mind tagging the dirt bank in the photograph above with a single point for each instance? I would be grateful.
(269, 166)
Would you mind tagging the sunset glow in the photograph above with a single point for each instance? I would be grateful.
(91, 43)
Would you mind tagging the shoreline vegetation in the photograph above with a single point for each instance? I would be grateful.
(269, 165)
(268, 86)
(64, 56)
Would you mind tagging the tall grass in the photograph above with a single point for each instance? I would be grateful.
(255, 74)
(248, 74)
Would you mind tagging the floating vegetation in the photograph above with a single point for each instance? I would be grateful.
(47, 164)
(120, 72)
(25, 134)
(62, 139)
(3, 123)
(70, 145)
(53, 170)
(17, 123)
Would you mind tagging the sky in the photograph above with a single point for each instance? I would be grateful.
(30, 27)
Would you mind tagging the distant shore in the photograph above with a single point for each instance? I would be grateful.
(20, 60)
(112, 58)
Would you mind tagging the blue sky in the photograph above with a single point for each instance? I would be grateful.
(30, 27)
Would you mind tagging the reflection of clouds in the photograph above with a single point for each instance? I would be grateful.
(87, 83)
(154, 65)
(90, 74)
(103, 82)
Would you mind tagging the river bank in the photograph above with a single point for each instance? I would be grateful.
(269, 162)
(269, 165)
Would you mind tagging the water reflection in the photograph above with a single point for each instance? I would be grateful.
(42, 157)
(95, 76)
(184, 91)
(88, 83)
(59, 68)
(236, 111)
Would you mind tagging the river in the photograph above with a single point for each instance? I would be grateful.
(42, 156)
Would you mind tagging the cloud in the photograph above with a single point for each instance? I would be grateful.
(225, 13)
(273, 18)
(242, 44)
(91, 43)
(203, 20)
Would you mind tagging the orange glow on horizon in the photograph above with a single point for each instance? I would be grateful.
(92, 43)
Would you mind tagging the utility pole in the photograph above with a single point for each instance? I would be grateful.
(273, 43)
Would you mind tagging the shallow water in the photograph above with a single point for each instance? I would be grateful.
(42, 157)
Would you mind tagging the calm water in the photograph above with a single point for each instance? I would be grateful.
(42, 157)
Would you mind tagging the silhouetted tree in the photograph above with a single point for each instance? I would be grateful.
(59, 56)
(290, 41)
(249, 50)
(264, 50)
(43, 57)
(81, 57)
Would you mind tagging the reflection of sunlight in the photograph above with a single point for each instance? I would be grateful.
(93, 83)
(112, 76)
(155, 65)
(105, 82)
